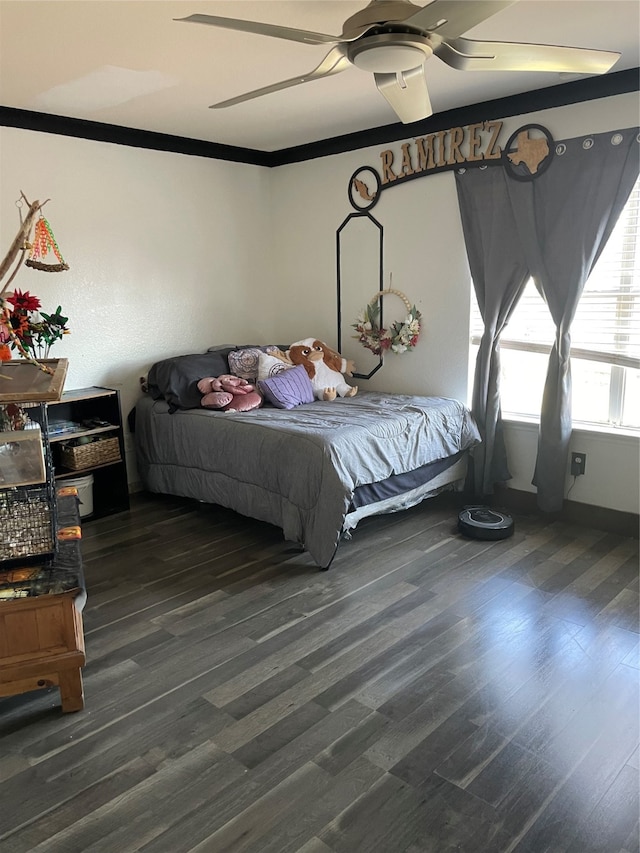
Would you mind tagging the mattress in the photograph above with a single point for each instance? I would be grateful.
(306, 469)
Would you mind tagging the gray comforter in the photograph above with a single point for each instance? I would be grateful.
(296, 469)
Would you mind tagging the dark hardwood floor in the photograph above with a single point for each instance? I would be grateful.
(428, 694)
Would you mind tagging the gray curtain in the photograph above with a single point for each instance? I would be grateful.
(554, 228)
(499, 276)
(564, 219)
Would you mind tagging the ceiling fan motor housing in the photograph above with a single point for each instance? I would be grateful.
(379, 12)
(389, 53)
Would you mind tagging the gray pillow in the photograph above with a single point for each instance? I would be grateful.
(176, 379)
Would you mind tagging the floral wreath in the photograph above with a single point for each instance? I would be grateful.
(399, 337)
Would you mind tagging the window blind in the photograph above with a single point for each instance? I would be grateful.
(606, 326)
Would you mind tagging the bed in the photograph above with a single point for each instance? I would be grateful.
(315, 470)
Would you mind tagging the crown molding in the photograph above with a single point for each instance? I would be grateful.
(578, 91)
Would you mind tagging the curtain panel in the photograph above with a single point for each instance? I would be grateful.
(553, 228)
(499, 275)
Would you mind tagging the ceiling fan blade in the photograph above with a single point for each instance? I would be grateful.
(334, 62)
(261, 29)
(468, 55)
(451, 18)
(406, 93)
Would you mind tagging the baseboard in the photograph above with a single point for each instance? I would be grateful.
(514, 500)
(601, 518)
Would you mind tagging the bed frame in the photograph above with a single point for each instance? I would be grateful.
(314, 471)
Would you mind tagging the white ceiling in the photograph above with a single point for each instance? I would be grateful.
(129, 64)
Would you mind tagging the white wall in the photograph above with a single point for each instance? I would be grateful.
(420, 221)
(168, 253)
(424, 248)
(612, 465)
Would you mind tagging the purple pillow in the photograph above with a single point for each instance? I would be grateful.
(288, 389)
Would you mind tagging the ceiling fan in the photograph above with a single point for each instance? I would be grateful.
(393, 39)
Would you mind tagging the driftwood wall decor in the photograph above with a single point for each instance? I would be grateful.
(37, 248)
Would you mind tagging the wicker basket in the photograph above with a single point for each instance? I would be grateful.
(88, 455)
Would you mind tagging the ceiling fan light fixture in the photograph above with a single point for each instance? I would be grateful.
(390, 58)
(392, 39)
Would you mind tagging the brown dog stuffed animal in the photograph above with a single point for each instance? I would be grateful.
(324, 368)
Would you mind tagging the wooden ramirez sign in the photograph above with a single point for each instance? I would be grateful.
(444, 148)
(526, 155)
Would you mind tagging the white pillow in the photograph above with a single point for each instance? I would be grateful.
(270, 365)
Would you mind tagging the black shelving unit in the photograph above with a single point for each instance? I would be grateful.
(91, 412)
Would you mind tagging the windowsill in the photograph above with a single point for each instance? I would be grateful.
(591, 429)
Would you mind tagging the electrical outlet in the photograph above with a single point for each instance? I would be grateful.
(578, 463)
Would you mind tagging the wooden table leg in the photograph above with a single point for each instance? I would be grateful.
(71, 690)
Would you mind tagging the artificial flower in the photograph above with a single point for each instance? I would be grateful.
(400, 337)
(23, 301)
(27, 329)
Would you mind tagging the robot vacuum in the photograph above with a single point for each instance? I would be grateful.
(482, 522)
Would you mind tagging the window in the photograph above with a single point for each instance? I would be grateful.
(605, 338)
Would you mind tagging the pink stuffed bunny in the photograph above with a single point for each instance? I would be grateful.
(228, 393)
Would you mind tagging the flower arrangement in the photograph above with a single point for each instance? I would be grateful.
(25, 328)
(401, 336)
